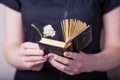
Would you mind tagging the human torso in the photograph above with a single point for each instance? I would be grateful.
(43, 12)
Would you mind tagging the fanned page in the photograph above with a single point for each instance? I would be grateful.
(71, 28)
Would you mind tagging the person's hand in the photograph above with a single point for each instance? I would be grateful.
(71, 63)
(32, 58)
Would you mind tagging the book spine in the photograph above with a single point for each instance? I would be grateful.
(53, 49)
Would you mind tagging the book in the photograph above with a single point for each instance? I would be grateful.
(54, 46)
(77, 35)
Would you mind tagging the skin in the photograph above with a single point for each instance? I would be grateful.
(25, 56)
(28, 56)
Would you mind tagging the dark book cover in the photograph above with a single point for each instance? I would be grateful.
(78, 43)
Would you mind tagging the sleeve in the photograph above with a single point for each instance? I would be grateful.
(13, 4)
(108, 5)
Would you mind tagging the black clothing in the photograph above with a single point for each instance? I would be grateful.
(43, 12)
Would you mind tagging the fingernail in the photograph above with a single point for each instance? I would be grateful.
(66, 54)
(50, 55)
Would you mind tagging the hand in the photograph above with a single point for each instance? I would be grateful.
(32, 58)
(71, 63)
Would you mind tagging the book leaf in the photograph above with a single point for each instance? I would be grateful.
(71, 28)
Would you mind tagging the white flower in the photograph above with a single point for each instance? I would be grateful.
(48, 30)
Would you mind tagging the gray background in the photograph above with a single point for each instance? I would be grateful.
(7, 72)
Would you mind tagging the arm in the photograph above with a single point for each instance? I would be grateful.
(20, 55)
(105, 60)
(13, 35)
(111, 52)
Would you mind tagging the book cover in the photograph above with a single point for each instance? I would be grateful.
(77, 35)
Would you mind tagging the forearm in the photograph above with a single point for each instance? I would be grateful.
(11, 54)
(107, 59)
(110, 56)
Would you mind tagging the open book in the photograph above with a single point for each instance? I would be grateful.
(77, 35)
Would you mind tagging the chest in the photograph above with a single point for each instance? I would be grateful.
(52, 11)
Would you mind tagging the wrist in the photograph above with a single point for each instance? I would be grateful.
(95, 62)
(104, 60)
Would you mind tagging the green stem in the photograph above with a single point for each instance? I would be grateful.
(37, 30)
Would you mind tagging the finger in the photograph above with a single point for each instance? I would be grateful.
(56, 64)
(31, 45)
(69, 72)
(71, 55)
(34, 58)
(31, 52)
(37, 67)
(64, 68)
(30, 65)
(61, 59)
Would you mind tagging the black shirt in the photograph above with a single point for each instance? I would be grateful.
(43, 12)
